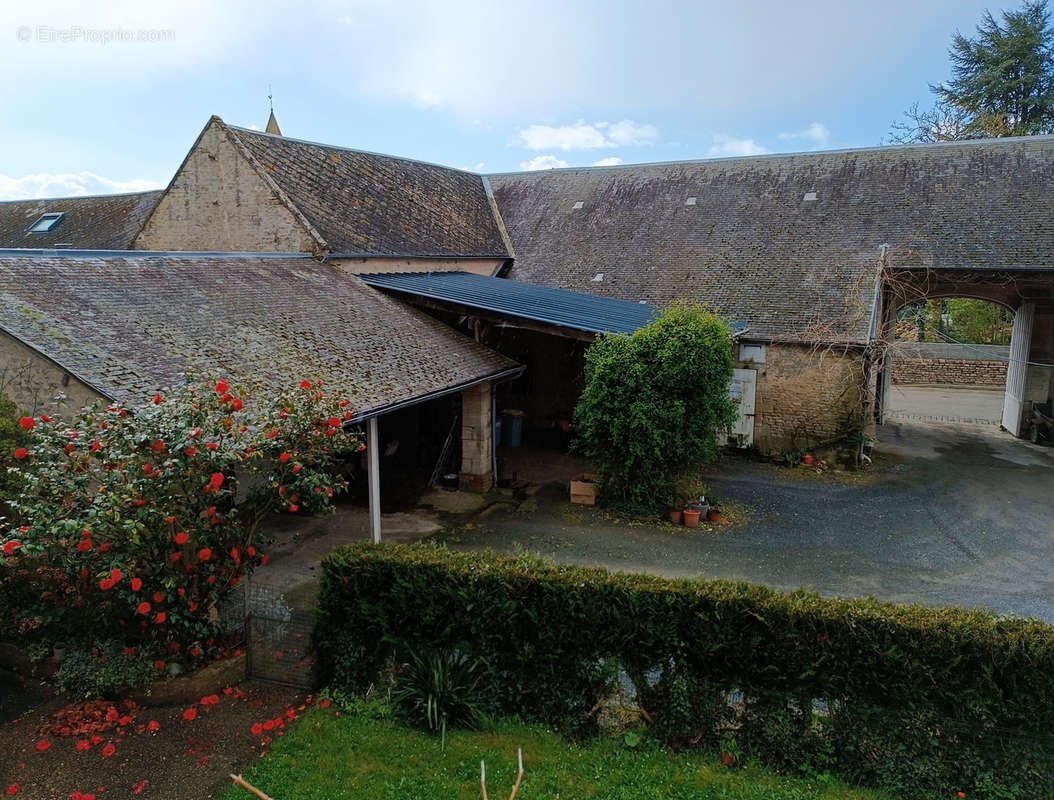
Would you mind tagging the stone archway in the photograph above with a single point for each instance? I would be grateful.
(1029, 293)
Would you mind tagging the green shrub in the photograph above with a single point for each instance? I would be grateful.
(655, 404)
(926, 701)
(103, 672)
(440, 689)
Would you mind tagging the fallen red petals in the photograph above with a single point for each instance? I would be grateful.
(210, 700)
(109, 750)
(257, 729)
(12, 790)
(190, 714)
(97, 740)
(325, 703)
(153, 725)
(137, 788)
(43, 745)
(84, 744)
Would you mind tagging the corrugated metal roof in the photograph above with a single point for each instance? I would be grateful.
(583, 312)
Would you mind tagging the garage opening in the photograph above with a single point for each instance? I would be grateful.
(949, 362)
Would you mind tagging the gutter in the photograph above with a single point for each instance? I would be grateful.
(412, 256)
(505, 375)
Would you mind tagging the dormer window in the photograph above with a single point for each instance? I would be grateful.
(46, 222)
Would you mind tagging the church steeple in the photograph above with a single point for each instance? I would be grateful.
(272, 123)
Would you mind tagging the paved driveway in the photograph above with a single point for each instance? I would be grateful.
(955, 515)
(979, 405)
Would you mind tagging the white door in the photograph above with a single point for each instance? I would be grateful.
(743, 389)
(1020, 344)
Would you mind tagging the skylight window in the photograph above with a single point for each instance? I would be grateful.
(46, 222)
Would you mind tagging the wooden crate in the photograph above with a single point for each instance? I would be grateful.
(584, 489)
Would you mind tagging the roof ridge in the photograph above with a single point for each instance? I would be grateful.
(351, 150)
(1005, 141)
(73, 252)
(83, 196)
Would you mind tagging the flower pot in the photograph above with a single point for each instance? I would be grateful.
(691, 517)
(59, 652)
(807, 461)
(675, 516)
(713, 515)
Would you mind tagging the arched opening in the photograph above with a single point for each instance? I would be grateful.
(948, 360)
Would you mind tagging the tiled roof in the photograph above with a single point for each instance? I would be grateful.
(366, 203)
(130, 325)
(99, 222)
(757, 244)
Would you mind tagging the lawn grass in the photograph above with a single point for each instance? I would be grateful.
(358, 755)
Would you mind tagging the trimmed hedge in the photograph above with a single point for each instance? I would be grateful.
(922, 701)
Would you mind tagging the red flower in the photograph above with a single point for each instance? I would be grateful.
(159, 597)
(344, 403)
(305, 384)
(256, 729)
(334, 422)
(237, 404)
(153, 725)
(264, 559)
(294, 508)
(21, 453)
(160, 618)
(28, 423)
(125, 721)
(175, 557)
(159, 665)
(182, 537)
(104, 547)
(97, 740)
(143, 608)
(84, 545)
(148, 468)
(191, 451)
(190, 714)
(216, 481)
(252, 551)
(106, 585)
(194, 433)
(285, 457)
(159, 446)
(137, 584)
(10, 547)
(210, 511)
(204, 554)
(222, 387)
(116, 575)
(96, 447)
(12, 790)
(109, 750)
(273, 433)
(325, 703)
(157, 399)
(83, 745)
(212, 446)
(297, 468)
(43, 745)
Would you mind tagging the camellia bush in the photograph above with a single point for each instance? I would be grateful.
(131, 525)
(655, 404)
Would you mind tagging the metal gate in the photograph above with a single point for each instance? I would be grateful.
(278, 638)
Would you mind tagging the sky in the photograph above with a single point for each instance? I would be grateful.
(109, 96)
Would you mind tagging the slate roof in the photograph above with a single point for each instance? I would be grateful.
(367, 203)
(97, 222)
(131, 324)
(790, 268)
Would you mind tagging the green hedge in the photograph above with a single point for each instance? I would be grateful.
(923, 701)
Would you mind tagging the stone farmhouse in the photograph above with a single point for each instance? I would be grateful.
(438, 297)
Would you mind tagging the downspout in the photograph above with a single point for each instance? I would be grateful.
(493, 439)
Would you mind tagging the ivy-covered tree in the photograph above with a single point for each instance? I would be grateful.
(131, 524)
(656, 403)
(1002, 82)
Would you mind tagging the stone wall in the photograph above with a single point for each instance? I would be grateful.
(33, 381)
(947, 363)
(805, 396)
(218, 201)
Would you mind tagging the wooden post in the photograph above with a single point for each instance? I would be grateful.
(240, 781)
(373, 473)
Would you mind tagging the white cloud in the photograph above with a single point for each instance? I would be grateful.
(73, 184)
(478, 168)
(815, 136)
(347, 19)
(730, 146)
(612, 161)
(587, 136)
(629, 133)
(543, 162)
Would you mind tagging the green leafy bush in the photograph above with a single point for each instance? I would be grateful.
(104, 672)
(655, 404)
(440, 689)
(924, 701)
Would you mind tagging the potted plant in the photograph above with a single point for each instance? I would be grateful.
(691, 516)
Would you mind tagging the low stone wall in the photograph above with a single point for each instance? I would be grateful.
(965, 365)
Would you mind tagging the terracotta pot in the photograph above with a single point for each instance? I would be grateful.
(691, 517)
(675, 516)
(713, 515)
(807, 461)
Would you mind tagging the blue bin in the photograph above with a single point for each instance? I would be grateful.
(512, 428)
